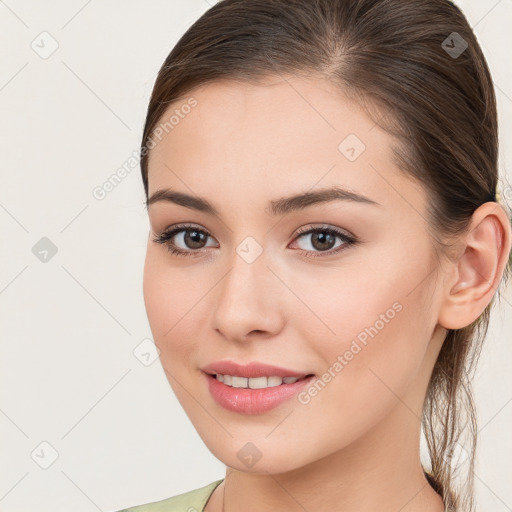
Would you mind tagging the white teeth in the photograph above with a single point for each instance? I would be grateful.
(255, 382)
(258, 383)
(274, 381)
(239, 382)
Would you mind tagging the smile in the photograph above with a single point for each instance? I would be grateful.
(265, 393)
(255, 382)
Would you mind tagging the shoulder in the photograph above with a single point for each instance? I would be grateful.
(191, 501)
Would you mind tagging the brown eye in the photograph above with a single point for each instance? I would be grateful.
(322, 241)
(183, 240)
(194, 239)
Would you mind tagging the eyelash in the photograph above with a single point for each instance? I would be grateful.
(167, 235)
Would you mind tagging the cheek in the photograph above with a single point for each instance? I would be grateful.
(173, 306)
(383, 299)
(373, 334)
(175, 312)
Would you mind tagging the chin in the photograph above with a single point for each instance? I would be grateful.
(259, 456)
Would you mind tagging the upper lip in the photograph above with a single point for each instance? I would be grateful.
(251, 370)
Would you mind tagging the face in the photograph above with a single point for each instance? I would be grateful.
(342, 287)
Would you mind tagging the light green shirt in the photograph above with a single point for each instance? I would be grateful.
(195, 500)
(191, 501)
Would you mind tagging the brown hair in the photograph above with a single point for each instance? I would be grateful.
(409, 58)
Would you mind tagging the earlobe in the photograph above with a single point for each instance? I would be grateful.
(478, 271)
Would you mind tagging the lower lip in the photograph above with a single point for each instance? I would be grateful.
(253, 401)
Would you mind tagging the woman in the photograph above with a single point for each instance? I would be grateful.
(325, 247)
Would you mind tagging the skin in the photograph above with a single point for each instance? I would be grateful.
(355, 445)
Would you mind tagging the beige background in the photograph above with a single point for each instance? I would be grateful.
(69, 377)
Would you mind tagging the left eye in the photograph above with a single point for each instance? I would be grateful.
(322, 240)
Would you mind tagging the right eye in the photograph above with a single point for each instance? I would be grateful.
(190, 236)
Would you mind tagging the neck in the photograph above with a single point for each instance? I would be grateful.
(381, 471)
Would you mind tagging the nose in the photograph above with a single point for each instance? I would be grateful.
(247, 301)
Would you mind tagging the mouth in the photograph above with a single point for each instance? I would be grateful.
(254, 395)
(263, 382)
(254, 387)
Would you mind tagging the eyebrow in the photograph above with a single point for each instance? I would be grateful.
(279, 206)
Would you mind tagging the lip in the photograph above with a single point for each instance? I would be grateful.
(252, 401)
(253, 369)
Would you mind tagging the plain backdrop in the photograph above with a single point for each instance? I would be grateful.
(86, 423)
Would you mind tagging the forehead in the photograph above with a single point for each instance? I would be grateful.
(258, 139)
(298, 110)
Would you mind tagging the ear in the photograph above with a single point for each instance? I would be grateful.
(472, 278)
